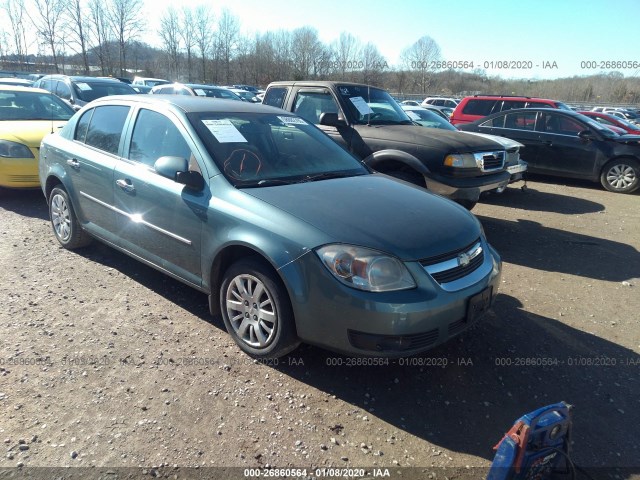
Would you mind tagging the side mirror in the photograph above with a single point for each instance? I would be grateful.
(586, 135)
(177, 169)
(331, 119)
(170, 166)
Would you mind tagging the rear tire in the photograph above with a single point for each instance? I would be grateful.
(256, 309)
(64, 222)
(621, 175)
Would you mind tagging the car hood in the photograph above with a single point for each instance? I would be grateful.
(628, 139)
(507, 143)
(433, 138)
(379, 212)
(28, 132)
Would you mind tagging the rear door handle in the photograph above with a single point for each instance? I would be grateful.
(73, 163)
(125, 185)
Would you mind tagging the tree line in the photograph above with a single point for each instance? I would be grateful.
(103, 37)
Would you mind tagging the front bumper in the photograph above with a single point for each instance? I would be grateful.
(517, 171)
(390, 324)
(19, 173)
(466, 188)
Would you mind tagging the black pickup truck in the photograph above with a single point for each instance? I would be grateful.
(369, 123)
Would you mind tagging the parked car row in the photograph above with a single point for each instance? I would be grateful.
(293, 236)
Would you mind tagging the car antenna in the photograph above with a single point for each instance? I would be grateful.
(368, 101)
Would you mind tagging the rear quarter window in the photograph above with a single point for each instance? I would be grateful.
(275, 96)
(479, 107)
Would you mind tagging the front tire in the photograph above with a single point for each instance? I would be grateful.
(256, 310)
(64, 222)
(468, 204)
(621, 175)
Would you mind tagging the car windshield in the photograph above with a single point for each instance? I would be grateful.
(259, 150)
(246, 95)
(372, 106)
(33, 106)
(88, 91)
(429, 119)
(598, 127)
(563, 106)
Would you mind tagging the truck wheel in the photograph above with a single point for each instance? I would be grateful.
(409, 176)
(468, 204)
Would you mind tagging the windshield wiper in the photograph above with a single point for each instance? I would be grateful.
(267, 182)
(326, 176)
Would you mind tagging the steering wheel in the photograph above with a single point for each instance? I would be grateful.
(242, 164)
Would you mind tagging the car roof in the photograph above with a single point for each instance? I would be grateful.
(321, 83)
(190, 104)
(81, 78)
(20, 88)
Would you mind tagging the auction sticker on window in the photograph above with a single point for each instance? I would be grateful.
(292, 120)
(200, 92)
(224, 131)
(84, 86)
(362, 106)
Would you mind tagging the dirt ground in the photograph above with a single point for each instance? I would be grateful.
(105, 362)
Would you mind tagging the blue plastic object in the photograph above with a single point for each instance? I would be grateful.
(536, 446)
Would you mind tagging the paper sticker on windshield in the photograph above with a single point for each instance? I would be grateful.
(224, 131)
(362, 106)
(412, 115)
(292, 121)
(83, 86)
(200, 92)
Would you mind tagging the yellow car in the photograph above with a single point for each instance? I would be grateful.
(26, 116)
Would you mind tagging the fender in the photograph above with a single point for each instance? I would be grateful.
(379, 158)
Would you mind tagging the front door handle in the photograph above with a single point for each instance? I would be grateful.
(125, 185)
(73, 163)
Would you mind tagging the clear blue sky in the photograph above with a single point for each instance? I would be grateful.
(566, 32)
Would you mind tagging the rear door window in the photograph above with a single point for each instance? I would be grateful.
(105, 127)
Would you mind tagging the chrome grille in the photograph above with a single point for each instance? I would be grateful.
(492, 161)
(455, 265)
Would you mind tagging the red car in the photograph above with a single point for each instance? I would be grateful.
(610, 120)
(474, 108)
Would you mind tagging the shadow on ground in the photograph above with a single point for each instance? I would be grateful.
(464, 395)
(27, 203)
(533, 245)
(535, 200)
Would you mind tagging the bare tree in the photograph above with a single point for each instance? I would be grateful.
(170, 34)
(76, 31)
(203, 35)
(48, 20)
(127, 22)
(418, 59)
(100, 35)
(16, 13)
(346, 51)
(226, 41)
(306, 52)
(373, 64)
(187, 33)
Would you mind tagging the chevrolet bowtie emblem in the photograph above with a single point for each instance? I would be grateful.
(464, 259)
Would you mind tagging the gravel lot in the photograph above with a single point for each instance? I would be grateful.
(105, 362)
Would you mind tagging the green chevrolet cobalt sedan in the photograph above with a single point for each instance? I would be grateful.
(292, 238)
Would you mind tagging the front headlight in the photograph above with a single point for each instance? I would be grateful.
(365, 269)
(461, 160)
(14, 150)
